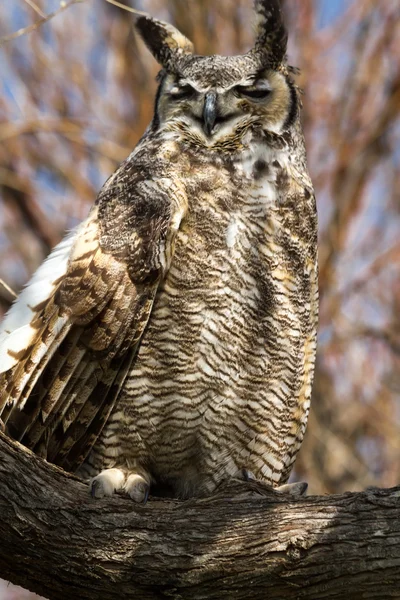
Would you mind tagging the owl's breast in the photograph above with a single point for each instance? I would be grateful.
(225, 345)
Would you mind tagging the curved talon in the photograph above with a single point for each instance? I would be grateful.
(93, 487)
(247, 475)
(146, 494)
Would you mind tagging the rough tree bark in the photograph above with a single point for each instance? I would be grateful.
(244, 542)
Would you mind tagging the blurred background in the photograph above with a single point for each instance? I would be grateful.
(76, 95)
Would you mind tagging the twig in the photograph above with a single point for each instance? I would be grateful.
(124, 7)
(7, 287)
(24, 30)
(35, 8)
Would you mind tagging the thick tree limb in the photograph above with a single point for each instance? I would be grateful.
(244, 542)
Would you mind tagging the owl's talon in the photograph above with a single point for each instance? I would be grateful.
(146, 495)
(93, 486)
(247, 475)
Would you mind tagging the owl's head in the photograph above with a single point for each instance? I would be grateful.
(213, 96)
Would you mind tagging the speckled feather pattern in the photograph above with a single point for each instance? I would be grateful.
(171, 338)
(222, 379)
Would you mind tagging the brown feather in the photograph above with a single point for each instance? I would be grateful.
(103, 303)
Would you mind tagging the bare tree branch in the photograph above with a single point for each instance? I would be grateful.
(35, 8)
(12, 36)
(244, 542)
(123, 6)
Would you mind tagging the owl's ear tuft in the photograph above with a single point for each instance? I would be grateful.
(271, 35)
(164, 41)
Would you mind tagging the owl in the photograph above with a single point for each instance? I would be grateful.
(168, 342)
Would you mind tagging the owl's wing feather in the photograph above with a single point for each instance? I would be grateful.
(68, 342)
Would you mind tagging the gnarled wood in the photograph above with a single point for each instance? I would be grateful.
(244, 542)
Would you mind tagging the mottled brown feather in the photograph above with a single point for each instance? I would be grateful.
(187, 346)
(106, 298)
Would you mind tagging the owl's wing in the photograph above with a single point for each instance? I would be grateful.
(69, 340)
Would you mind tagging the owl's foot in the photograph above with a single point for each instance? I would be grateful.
(137, 487)
(106, 483)
(299, 488)
(114, 480)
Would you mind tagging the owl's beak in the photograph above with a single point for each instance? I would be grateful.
(210, 112)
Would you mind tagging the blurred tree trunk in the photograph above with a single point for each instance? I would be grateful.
(244, 542)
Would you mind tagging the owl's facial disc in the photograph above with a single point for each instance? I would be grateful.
(204, 108)
(221, 108)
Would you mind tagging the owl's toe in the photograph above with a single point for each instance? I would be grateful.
(137, 487)
(106, 483)
(299, 488)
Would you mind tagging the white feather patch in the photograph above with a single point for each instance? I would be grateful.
(232, 231)
(16, 332)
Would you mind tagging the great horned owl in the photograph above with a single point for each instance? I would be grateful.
(170, 338)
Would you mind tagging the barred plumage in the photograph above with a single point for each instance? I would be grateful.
(171, 338)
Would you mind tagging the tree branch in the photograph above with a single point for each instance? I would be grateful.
(244, 542)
